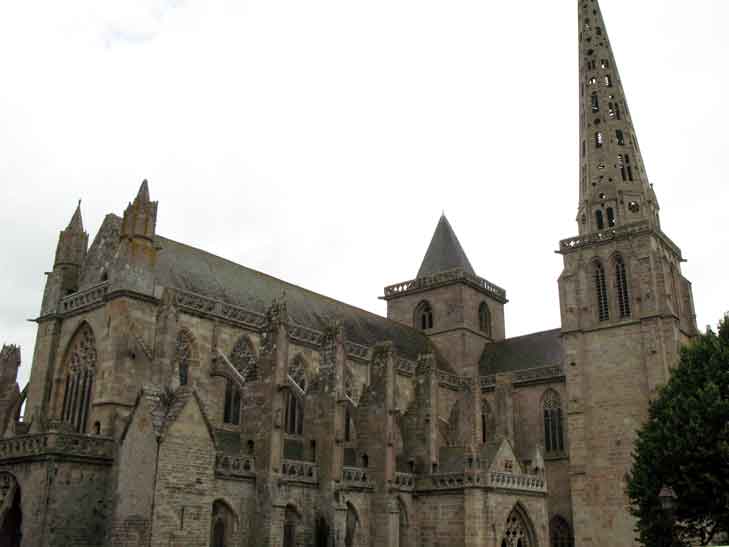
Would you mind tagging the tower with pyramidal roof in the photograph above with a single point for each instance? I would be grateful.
(626, 308)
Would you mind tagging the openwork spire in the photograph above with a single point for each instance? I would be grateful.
(614, 187)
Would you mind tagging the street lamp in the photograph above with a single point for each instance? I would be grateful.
(667, 498)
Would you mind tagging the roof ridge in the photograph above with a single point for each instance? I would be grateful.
(293, 285)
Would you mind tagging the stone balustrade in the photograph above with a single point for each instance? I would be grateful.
(357, 477)
(405, 366)
(510, 481)
(620, 232)
(539, 373)
(405, 481)
(87, 297)
(442, 278)
(56, 443)
(298, 471)
(357, 350)
(451, 481)
(235, 466)
(299, 333)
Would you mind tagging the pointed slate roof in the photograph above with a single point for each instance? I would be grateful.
(76, 222)
(444, 252)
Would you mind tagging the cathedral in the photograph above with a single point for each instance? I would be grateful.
(177, 399)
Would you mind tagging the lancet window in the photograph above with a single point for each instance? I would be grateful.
(603, 311)
(80, 371)
(183, 355)
(231, 409)
(484, 319)
(621, 285)
(553, 431)
(424, 316)
(294, 424)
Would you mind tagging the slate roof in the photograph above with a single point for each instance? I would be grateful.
(540, 349)
(444, 252)
(181, 266)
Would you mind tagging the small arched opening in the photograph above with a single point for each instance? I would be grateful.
(224, 526)
(352, 524)
(424, 316)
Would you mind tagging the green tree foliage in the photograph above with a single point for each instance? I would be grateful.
(685, 445)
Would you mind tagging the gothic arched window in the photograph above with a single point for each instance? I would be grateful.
(424, 316)
(487, 420)
(553, 432)
(603, 312)
(294, 424)
(484, 318)
(183, 355)
(231, 410)
(297, 371)
(621, 285)
(518, 532)
(80, 371)
(560, 533)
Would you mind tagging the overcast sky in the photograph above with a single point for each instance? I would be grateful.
(319, 140)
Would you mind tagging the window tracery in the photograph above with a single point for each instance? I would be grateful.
(553, 430)
(517, 532)
(80, 372)
(621, 283)
(603, 312)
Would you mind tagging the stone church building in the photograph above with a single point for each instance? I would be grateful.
(177, 399)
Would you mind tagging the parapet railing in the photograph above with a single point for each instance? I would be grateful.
(235, 466)
(449, 276)
(539, 373)
(493, 479)
(620, 232)
(405, 481)
(511, 481)
(69, 444)
(356, 477)
(87, 297)
(298, 471)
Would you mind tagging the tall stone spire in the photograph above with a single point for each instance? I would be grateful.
(614, 187)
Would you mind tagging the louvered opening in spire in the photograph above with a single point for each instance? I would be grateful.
(614, 187)
(444, 252)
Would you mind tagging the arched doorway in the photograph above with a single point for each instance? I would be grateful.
(322, 532)
(11, 515)
(350, 535)
(224, 528)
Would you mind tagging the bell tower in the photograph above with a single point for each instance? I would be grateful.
(626, 308)
(458, 310)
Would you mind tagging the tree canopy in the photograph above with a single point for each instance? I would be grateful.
(685, 446)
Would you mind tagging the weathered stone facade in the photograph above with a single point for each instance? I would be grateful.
(178, 399)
